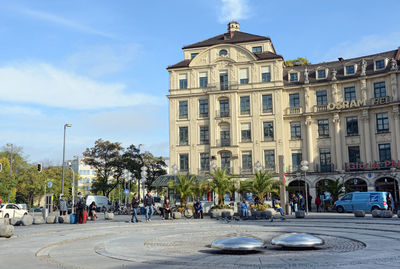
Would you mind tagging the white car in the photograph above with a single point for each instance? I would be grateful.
(11, 211)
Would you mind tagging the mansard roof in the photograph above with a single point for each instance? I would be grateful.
(237, 37)
(339, 66)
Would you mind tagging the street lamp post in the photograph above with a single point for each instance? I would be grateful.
(11, 161)
(304, 168)
(73, 187)
(63, 161)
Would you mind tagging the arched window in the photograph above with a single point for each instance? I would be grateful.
(223, 52)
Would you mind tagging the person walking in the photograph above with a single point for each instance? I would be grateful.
(92, 211)
(135, 205)
(309, 202)
(318, 203)
(301, 202)
(148, 203)
(243, 207)
(295, 203)
(80, 208)
(62, 205)
(166, 213)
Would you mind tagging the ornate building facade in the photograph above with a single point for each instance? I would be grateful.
(235, 104)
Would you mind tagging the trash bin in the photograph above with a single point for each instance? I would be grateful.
(288, 209)
(142, 211)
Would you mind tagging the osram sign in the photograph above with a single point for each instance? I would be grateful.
(347, 104)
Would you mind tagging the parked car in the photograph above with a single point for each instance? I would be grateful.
(102, 202)
(366, 201)
(37, 209)
(12, 211)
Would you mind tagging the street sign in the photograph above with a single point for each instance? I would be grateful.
(49, 184)
(126, 191)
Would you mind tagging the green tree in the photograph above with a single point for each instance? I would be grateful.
(335, 189)
(106, 158)
(221, 183)
(297, 62)
(261, 184)
(185, 186)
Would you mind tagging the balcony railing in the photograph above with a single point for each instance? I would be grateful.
(183, 143)
(324, 168)
(321, 108)
(246, 171)
(222, 86)
(223, 142)
(222, 114)
(294, 110)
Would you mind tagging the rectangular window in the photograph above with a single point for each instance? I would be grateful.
(294, 100)
(265, 74)
(223, 80)
(184, 162)
(246, 132)
(323, 128)
(380, 89)
(350, 94)
(267, 103)
(380, 64)
(203, 79)
(256, 49)
(224, 107)
(269, 157)
(245, 105)
(203, 108)
(296, 161)
(204, 161)
(183, 136)
(325, 160)
(183, 109)
(384, 152)
(321, 73)
(244, 76)
(247, 160)
(192, 55)
(352, 125)
(382, 122)
(183, 81)
(225, 136)
(295, 130)
(322, 98)
(354, 154)
(204, 134)
(268, 130)
(293, 77)
(350, 69)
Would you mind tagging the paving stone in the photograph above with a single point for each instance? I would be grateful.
(108, 215)
(27, 220)
(359, 213)
(6, 230)
(38, 220)
(300, 214)
(51, 219)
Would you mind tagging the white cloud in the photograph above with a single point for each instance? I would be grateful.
(101, 60)
(369, 44)
(64, 22)
(43, 84)
(234, 10)
(18, 110)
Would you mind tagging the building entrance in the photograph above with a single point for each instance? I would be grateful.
(388, 184)
(356, 184)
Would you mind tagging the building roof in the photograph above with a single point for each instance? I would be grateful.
(238, 37)
(184, 63)
(266, 55)
(339, 66)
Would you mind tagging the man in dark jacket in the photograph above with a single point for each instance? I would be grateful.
(148, 203)
(135, 205)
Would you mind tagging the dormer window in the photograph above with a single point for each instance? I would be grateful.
(321, 73)
(257, 49)
(380, 64)
(223, 52)
(293, 77)
(350, 69)
(192, 55)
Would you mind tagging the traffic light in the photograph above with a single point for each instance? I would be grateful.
(70, 190)
(39, 167)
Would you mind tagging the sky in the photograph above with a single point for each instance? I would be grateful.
(101, 65)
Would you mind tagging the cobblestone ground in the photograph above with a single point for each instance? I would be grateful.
(349, 243)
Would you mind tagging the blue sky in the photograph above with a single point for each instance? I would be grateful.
(100, 65)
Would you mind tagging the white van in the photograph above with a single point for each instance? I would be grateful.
(102, 202)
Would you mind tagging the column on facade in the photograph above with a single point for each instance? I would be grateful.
(338, 149)
(367, 137)
(309, 143)
(307, 99)
(313, 193)
(396, 142)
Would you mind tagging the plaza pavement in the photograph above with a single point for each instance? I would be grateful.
(349, 243)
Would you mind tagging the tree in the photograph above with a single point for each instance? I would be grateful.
(220, 183)
(185, 186)
(106, 158)
(261, 184)
(335, 189)
(296, 62)
(155, 168)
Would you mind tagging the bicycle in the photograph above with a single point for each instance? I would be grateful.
(185, 211)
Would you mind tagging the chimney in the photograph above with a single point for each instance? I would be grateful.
(233, 26)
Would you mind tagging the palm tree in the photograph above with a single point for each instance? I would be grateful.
(335, 189)
(185, 186)
(261, 184)
(220, 183)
